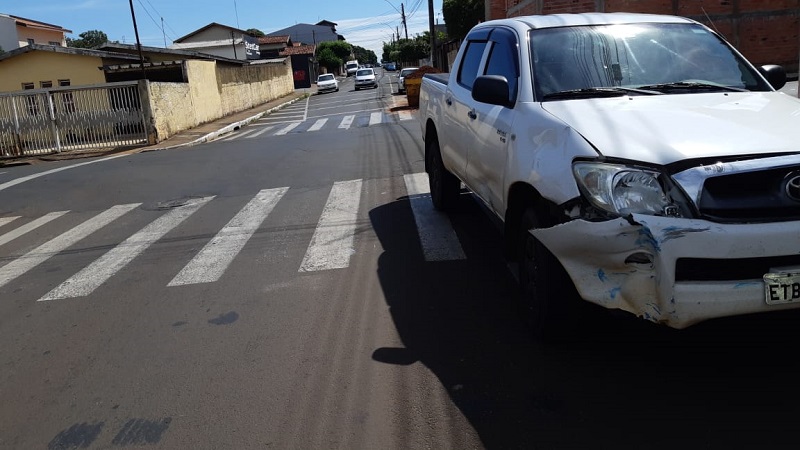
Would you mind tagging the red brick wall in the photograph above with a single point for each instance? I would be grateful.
(765, 31)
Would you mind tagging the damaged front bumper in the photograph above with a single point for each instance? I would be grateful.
(674, 271)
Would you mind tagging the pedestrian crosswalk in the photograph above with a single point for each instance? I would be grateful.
(330, 247)
(273, 127)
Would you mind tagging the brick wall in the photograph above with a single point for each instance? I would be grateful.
(765, 31)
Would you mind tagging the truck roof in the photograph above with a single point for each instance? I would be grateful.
(569, 20)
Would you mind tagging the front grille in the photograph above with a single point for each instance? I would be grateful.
(758, 196)
(704, 269)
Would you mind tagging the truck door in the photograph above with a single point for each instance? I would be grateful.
(489, 130)
(458, 108)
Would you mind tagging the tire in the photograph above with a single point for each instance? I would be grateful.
(549, 300)
(444, 185)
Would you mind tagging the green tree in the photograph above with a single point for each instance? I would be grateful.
(88, 39)
(391, 52)
(328, 59)
(255, 32)
(412, 50)
(364, 56)
(2, 51)
(461, 15)
(341, 49)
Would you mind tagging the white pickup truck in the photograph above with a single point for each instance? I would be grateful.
(638, 162)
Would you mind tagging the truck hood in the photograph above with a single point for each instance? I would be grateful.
(663, 129)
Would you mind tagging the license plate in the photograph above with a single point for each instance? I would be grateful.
(782, 288)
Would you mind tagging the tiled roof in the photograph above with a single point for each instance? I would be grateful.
(299, 50)
(273, 40)
(36, 24)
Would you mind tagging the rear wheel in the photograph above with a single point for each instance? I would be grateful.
(444, 185)
(549, 300)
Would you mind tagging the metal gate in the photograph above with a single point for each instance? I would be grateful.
(43, 121)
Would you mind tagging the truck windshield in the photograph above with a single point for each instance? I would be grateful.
(662, 58)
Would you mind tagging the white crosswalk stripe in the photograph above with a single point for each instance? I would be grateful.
(318, 125)
(97, 273)
(238, 135)
(30, 226)
(5, 220)
(439, 240)
(375, 118)
(260, 132)
(332, 243)
(214, 258)
(287, 128)
(45, 251)
(347, 121)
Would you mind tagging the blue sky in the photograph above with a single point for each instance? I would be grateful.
(367, 23)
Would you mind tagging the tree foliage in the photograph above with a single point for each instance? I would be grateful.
(461, 15)
(88, 39)
(412, 50)
(328, 59)
(255, 32)
(364, 56)
(341, 49)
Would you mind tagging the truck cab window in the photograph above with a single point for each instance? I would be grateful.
(471, 63)
(503, 61)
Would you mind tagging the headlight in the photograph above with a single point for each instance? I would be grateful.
(621, 189)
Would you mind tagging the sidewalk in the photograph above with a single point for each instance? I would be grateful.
(201, 133)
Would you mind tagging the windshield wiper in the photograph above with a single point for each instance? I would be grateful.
(691, 86)
(614, 91)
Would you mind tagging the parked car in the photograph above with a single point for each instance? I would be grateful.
(638, 162)
(366, 78)
(327, 82)
(401, 85)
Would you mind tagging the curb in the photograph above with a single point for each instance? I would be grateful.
(225, 129)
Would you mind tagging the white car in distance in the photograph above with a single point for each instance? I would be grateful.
(366, 78)
(327, 83)
(401, 78)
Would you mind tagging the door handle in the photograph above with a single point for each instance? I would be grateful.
(448, 101)
(472, 115)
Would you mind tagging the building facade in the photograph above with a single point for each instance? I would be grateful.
(16, 32)
(765, 31)
(220, 40)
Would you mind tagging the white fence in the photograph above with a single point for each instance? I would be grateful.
(44, 121)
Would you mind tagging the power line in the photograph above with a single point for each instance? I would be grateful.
(151, 17)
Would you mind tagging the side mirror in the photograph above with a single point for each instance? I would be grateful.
(491, 89)
(776, 75)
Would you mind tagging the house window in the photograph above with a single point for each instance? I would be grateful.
(57, 44)
(30, 40)
(63, 83)
(45, 84)
(28, 86)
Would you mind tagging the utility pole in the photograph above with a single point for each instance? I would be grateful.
(403, 14)
(138, 44)
(163, 33)
(433, 33)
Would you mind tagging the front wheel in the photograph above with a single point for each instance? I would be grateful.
(549, 300)
(444, 185)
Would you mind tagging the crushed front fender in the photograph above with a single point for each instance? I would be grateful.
(647, 265)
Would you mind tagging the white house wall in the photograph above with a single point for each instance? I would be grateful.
(8, 33)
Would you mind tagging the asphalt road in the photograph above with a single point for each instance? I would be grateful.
(288, 286)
